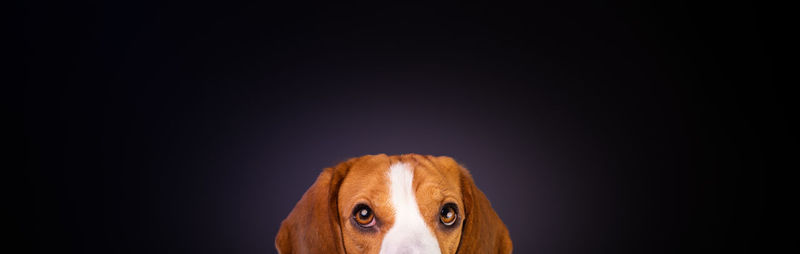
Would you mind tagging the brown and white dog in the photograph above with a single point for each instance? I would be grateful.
(394, 204)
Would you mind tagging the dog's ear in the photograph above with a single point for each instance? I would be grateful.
(482, 231)
(313, 225)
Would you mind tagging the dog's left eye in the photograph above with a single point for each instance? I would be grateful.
(363, 215)
(448, 214)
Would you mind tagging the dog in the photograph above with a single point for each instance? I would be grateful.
(406, 203)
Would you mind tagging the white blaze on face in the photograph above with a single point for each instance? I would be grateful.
(409, 234)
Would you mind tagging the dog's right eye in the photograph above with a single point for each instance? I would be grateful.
(363, 216)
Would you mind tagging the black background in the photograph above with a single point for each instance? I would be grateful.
(593, 127)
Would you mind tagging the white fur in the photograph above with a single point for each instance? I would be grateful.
(409, 234)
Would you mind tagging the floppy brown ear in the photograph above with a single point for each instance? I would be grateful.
(312, 226)
(483, 231)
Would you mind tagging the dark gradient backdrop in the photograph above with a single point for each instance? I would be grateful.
(593, 127)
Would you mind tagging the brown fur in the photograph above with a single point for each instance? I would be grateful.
(321, 220)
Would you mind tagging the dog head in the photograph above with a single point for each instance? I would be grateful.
(394, 204)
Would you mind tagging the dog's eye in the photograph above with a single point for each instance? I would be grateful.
(363, 215)
(448, 214)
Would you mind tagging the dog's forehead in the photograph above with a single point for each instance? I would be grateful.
(434, 179)
(428, 171)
